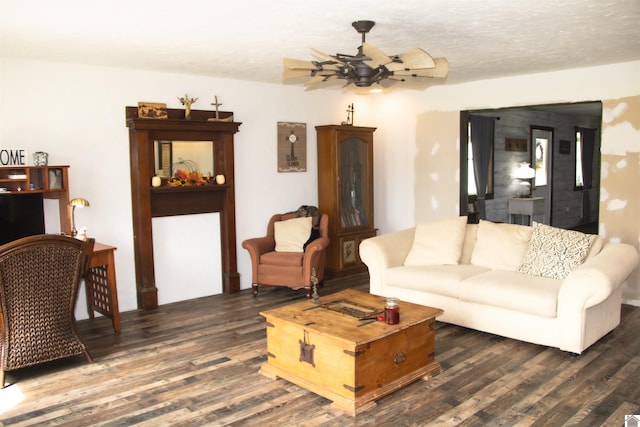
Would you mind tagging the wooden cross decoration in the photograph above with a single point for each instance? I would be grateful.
(217, 104)
(350, 111)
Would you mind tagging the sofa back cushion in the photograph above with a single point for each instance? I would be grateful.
(437, 242)
(470, 237)
(596, 247)
(500, 246)
(554, 252)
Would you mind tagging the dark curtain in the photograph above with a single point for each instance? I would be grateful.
(588, 139)
(481, 145)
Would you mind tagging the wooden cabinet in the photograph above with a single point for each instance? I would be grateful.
(51, 181)
(345, 193)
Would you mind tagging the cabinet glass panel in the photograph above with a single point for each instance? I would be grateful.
(354, 183)
(55, 179)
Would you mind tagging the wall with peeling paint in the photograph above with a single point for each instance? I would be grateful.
(436, 164)
(620, 184)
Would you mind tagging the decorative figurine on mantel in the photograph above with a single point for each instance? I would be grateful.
(217, 117)
(186, 101)
(350, 111)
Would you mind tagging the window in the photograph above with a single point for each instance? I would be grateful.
(578, 151)
(471, 180)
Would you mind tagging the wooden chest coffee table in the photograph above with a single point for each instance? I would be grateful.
(350, 361)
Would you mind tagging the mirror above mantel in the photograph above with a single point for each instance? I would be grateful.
(213, 138)
(186, 155)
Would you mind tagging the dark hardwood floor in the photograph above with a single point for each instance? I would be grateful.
(196, 363)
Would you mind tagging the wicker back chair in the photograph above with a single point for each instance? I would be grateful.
(39, 280)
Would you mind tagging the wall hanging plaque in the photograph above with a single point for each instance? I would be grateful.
(292, 147)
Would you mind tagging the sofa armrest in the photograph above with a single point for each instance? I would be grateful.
(598, 278)
(385, 251)
(256, 247)
(587, 307)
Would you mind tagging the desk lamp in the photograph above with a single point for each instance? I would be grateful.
(77, 202)
(525, 173)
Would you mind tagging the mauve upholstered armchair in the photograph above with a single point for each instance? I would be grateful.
(283, 268)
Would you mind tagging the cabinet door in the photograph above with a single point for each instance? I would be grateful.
(355, 183)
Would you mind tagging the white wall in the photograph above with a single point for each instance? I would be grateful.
(76, 113)
(617, 85)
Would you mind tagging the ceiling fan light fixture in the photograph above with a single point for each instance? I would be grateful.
(369, 65)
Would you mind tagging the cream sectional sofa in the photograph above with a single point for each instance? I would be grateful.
(537, 284)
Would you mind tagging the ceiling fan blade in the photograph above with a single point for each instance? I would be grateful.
(413, 59)
(440, 70)
(315, 79)
(378, 57)
(288, 73)
(406, 82)
(292, 74)
(323, 56)
(299, 64)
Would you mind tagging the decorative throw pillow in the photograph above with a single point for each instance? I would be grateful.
(554, 252)
(500, 246)
(290, 235)
(437, 242)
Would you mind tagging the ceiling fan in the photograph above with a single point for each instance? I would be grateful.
(370, 66)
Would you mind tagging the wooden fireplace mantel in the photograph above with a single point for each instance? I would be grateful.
(149, 202)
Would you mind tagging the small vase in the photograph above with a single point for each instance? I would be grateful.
(156, 181)
(40, 158)
(220, 179)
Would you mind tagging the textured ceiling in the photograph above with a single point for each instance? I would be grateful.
(247, 39)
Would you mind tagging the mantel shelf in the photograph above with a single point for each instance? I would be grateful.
(186, 188)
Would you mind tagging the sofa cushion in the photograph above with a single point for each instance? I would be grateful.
(555, 252)
(293, 259)
(435, 279)
(437, 242)
(513, 291)
(596, 247)
(291, 235)
(500, 246)
(470, 237)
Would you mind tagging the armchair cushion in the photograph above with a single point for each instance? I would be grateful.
(282, 258)
(291, 235)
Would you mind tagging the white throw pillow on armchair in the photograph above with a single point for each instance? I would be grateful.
(291, 235)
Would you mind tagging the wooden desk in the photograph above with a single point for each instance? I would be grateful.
(100, 282)
(530, 206)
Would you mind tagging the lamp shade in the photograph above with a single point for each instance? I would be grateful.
(525, 171)
(79, 202)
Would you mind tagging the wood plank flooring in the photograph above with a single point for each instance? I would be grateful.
(196, 363)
